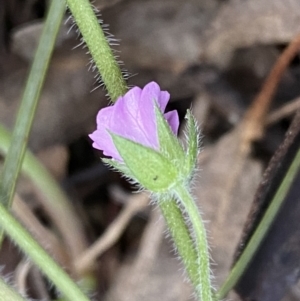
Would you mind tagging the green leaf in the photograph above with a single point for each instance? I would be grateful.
(168, 142)
(192, 143)
(151, 169)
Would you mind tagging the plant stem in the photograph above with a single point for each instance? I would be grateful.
(29, 102)
(37, 254)
(99, 48)
(53, 199)
(261, 230)
(116, 86)
(203, 287)
(181, 236)
(7, 293)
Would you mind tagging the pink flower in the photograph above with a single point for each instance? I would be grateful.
(133, 117)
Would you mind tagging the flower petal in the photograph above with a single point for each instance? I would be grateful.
(152, 91)
(151, 94)
(102, 139)
(163, 100)
(133, 117)
(173, 120)
(126, 118)
(105, 144)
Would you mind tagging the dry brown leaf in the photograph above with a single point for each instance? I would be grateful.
(164, 35)
(241, 23)
(225, 188)
(55, 159)
(67, 108)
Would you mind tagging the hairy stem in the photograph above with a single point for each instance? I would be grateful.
(37, 254)
(7, 293)
(181, 236)
(99, 48)
(203, 286)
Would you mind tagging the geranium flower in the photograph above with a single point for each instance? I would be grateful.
(133, 117)
(142, 140)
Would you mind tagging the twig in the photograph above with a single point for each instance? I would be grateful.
(252, 126)
(253, 122)
(21, 273)
(46, 239)
(132, 278)
(286, 110)
(134, 204)
(149, 246)
(40, 285)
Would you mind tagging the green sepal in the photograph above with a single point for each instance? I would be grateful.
(121, 167)
(169, 144)
(192, 143)
(150, 168)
